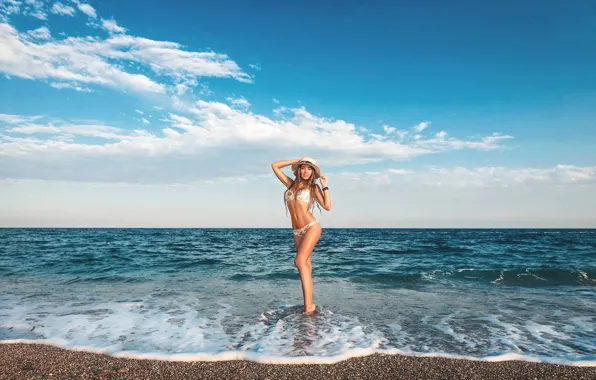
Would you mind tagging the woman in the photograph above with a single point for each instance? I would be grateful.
(299, 197)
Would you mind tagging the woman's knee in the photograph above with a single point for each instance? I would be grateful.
(301, 264)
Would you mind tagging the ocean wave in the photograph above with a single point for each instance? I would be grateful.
(529, 276)
(519, 277)
(105, 278)
(281, 275)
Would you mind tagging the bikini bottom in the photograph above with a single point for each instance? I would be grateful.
(302, 231)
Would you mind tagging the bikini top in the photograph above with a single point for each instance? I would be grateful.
(301, 195)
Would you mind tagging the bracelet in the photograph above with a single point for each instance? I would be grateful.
(325, 188)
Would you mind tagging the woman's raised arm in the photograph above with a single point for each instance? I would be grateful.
(323, 196)
(277, 165)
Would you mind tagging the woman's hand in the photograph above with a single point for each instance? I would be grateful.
(323, 180)
(277, 165)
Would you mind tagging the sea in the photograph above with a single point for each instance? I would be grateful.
(226, 294)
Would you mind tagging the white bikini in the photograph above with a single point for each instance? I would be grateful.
(302, 196)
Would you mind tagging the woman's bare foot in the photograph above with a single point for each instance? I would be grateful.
(310, 308)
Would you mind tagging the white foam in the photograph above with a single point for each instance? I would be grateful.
(16, 326)
(444, 326)
(182, 329)
(235, 355)
(538, 332)
(584, 323)
(178, 330)
(505, 333)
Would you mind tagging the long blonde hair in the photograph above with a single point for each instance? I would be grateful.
(310, 185)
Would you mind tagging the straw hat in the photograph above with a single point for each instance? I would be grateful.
(307, 161)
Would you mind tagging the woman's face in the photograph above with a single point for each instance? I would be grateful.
(305, 172)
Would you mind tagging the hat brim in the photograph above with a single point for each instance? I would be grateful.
(316, 169)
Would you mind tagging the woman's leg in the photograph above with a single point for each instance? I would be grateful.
(302, 262)
(297, 240)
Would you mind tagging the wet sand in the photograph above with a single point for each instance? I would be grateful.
(33, 361)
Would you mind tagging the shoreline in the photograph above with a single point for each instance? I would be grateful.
(32, 360)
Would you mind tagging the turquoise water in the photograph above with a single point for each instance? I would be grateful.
(234, 293)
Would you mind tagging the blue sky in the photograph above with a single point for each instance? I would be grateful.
(439, 113)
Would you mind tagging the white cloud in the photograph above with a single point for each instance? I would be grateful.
(35, 8)
(399, 171)
(275, 101)
(483, 177)
(254, 66)
(243, 142)
(90, 60)
(92, 130)
(145, 121)
(139, 112)
(440, 143)
(167, 58)
(204, 90)
(240, 103)
(181, 89)
(16, 119)
(388, 130)
(62, 9)
(111, 26)
(86, 9)
(34, 128)
(66, 61)
(61, 85)
(181, 122)
(42, 33)
(8, 7)
(421, 126)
